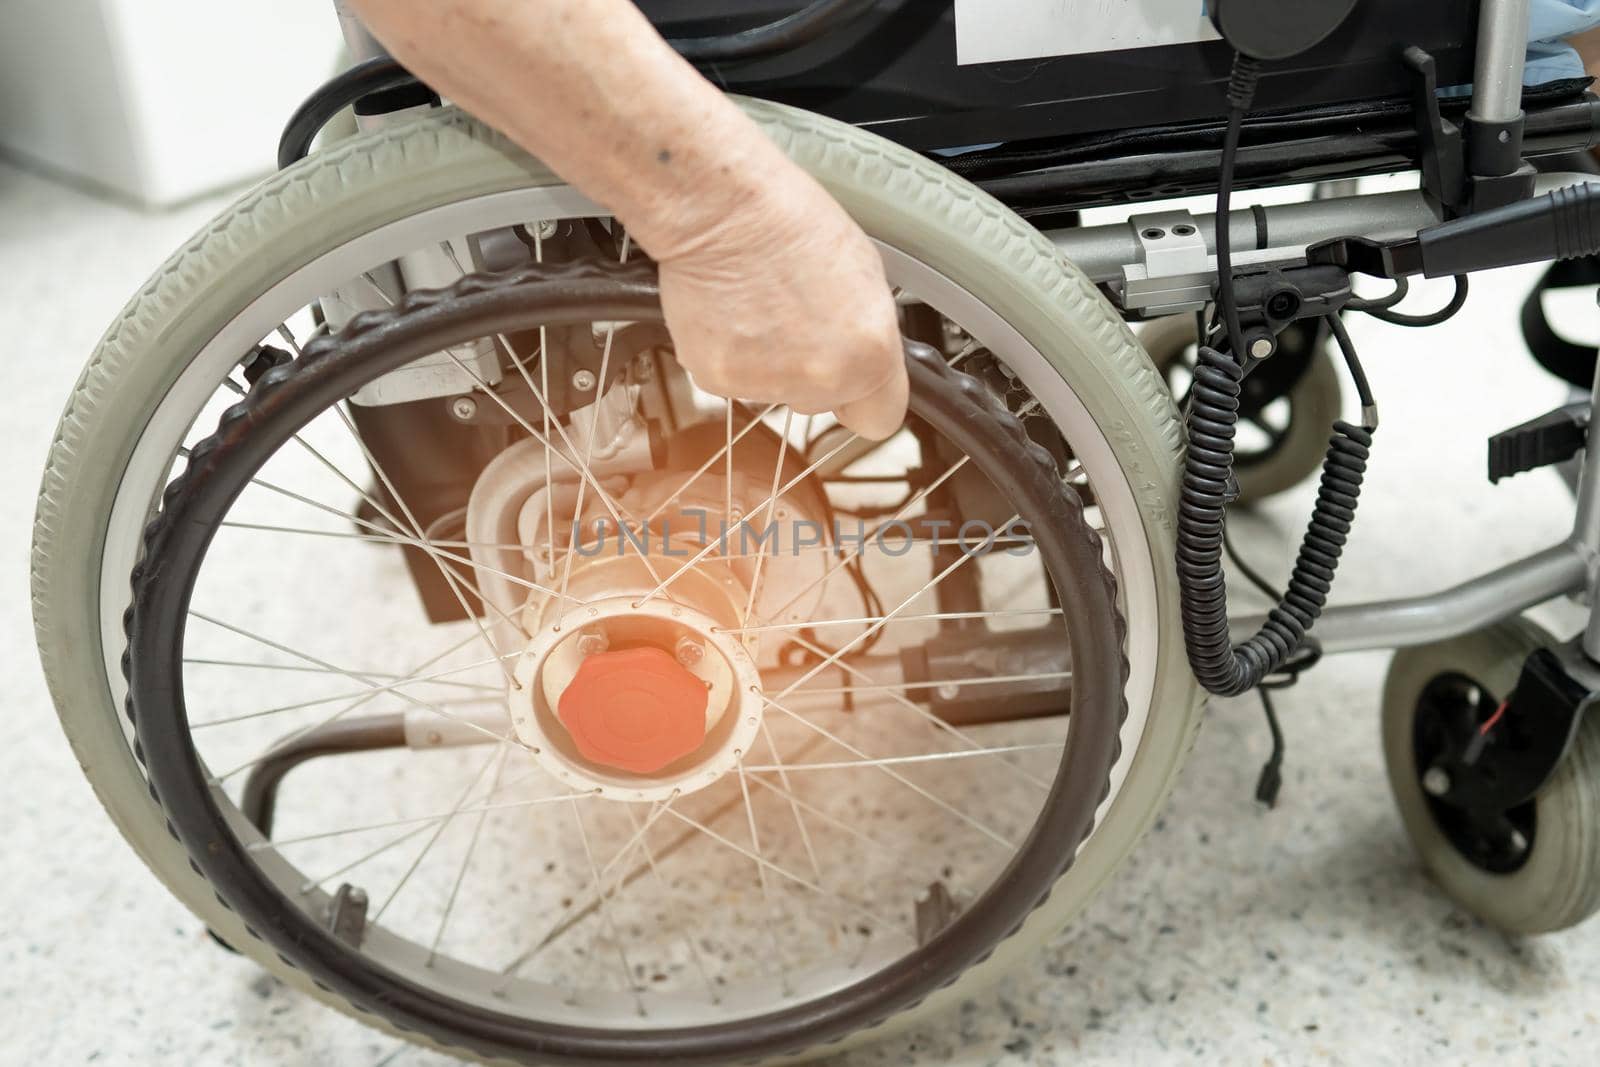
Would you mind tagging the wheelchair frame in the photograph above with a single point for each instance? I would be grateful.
(1281, 236)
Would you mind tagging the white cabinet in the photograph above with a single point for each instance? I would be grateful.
(157, 100)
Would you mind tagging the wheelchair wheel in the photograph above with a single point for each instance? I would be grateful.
(1531, 870)
(803, 911)
(1283, 436)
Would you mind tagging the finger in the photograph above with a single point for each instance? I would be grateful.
(880, 413)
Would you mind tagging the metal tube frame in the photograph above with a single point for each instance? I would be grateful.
(1572, 567)
(1103, 251)
(1569, 568)
(1502, 56)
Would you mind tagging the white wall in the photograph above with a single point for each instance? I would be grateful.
(158, 100)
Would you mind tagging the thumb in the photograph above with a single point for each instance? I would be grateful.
(882, 412)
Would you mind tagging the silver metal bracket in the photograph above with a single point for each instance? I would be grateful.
(1174, 272)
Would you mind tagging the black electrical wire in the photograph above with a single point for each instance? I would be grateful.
(1251, 574)
(1402, 288)
(1241, 94)
(780, 35)
(1270, 782)
(1358, 374)
(1208, 484)
(1396, 318)
(383, 73)
(339, 92)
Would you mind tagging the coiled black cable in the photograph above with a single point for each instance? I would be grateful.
(1207, 479)
(1208, 484)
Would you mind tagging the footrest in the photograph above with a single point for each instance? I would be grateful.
(1551, 438)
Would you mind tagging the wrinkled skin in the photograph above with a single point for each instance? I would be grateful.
(771, 292)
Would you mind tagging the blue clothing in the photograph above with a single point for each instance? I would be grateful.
(1550, 58)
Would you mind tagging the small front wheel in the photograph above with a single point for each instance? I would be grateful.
(1533, 869)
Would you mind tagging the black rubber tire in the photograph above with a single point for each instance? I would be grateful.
(1558, 885)
(288, 397)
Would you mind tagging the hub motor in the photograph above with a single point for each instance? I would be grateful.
(638, 697)
(626, 688)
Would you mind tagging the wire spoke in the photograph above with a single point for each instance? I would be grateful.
(794, 808)
(336, 716)
(302, 669)
(405, 540)
(451, 578)
(895, 687)
(899, 513)
(789, 875)
(466, 861)
(888, 761)
(579, 465)
(594, 427)
(482, 808)
(895, 695)
(771, 508)
(574, 912)
(439, 828)
(376, 690)
(605, 917)
(834, 656)
(723, 453)
(870, 761)
(374, 539)
(677, 925)
(878, 847)
(938, 616)
(761, 878)
(661, 587)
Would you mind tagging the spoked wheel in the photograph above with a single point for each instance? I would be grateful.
(1533, 869)
(780, 868)
(727, 903)
(1286, 408)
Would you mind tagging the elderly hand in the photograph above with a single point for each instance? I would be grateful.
(783, 299)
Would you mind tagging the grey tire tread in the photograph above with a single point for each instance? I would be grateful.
(1559, 885)
(367, 181)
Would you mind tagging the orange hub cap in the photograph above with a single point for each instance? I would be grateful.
(637, 710)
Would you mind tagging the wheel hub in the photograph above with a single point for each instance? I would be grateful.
(635, 710)
(610, 701)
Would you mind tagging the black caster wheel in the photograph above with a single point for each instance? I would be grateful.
(1532, 869)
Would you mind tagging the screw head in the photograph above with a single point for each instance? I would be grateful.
(689, 651)
(547, 229)
(1436, 781)
(948, 692)
(583, 380)
(464, 408)
(592, 641)
(1262, 347)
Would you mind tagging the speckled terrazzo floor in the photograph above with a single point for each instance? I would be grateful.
(1302, 935)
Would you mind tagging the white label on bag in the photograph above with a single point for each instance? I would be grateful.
(991, 31)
